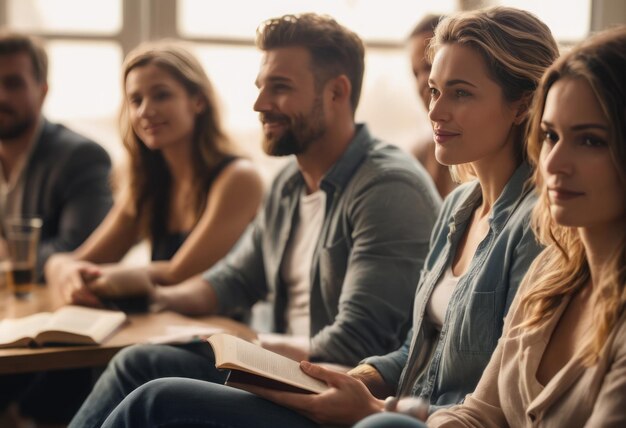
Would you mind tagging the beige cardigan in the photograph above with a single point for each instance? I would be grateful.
(509, 395)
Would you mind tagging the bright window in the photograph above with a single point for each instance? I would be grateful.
(377, 20)
(67, 16)
(85, 88)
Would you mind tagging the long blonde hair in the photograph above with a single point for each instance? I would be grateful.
(516, 47)
(563, 269)
(150, 178)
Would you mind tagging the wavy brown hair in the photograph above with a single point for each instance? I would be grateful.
(150, 178)
(563, 269)
(516, 46)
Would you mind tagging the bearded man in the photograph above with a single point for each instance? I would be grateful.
(340, 240)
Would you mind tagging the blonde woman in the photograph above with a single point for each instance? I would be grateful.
(189, 192)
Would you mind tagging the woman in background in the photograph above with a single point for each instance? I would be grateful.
(424, 151)
(562, 359)
(188, 191)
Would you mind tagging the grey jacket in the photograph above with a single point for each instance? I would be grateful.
(445, 366)
(381, 207)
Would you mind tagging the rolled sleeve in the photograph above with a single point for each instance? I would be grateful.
(239, 279)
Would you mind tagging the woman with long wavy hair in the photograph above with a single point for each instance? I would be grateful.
(188, 191)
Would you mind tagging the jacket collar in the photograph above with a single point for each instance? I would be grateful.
(514, 191)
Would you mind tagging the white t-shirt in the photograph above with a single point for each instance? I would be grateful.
(440, 297)
(296, 266)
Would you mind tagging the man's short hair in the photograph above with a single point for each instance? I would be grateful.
(14, 43)
(334, 49)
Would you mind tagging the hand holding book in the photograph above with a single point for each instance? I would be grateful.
(252, 364)
(326, 396)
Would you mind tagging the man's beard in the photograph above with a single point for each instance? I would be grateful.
(299, 135)
(11, 130)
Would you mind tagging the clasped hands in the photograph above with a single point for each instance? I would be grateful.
(85, 283)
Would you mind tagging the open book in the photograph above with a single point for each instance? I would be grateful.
(75, 325)
(250, 364)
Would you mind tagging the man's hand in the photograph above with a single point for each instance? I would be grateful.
(372, 379)
(346, 402)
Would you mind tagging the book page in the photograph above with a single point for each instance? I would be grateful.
(266, 363)
(94, 323)
(11, 330)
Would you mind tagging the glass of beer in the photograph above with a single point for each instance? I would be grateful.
(22, 241)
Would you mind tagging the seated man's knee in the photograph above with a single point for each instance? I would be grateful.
(132, 357)
(156, 391)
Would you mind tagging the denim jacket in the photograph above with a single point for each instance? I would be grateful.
(381, 208)
(443, 366)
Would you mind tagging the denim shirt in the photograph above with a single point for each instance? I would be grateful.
(380, 210)
(443, 366)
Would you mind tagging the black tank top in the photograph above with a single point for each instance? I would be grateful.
(164, 247)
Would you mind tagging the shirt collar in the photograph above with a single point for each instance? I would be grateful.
(514, 191)
(338, 176)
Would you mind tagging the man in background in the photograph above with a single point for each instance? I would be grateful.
(50, 172)
(46, 170)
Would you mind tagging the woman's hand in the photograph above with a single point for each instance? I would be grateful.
(68, 278)
(116, 281)
(415, 407)
(346, 402)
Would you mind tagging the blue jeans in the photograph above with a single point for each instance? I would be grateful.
(390, 420)
(177, 402)
(136, 365)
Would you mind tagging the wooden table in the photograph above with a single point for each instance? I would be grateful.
(140, 328)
